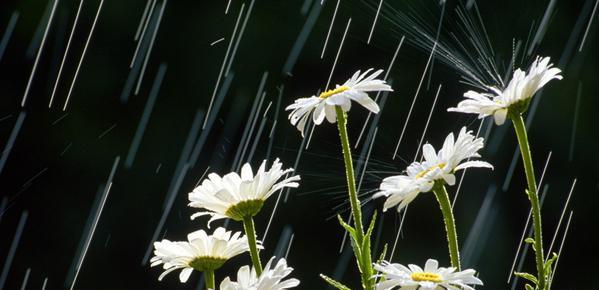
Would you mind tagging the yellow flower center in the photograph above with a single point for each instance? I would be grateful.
(426, 276)
(333, 92)
(424, 172)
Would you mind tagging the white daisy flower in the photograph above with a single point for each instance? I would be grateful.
(237, 197)
(432, 277)
(442, 165)
(270, 279)
(200, 252)
(323, 106)
(515, 96)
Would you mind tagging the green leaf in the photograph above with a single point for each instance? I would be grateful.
(358, 254)
(371, 226)
(381, 258)
(531, 241)
(348, 228)
(383, 254)
(366, 242)
(527, 276)
(354, 242)
(549, 269)
(334, 283)
(528, 287)
(366, 252)
(550, 262)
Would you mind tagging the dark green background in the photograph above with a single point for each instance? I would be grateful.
(60, 199)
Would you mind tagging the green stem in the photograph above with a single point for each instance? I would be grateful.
(452, 237)
(532, 195)
(356, 210)
(349, 173)
(250, 232)
(209, 275)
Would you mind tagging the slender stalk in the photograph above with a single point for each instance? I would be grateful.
(349, 173)
(209, 275)
(250, 232)
(520, 129)
(365, 260)
(452, 236)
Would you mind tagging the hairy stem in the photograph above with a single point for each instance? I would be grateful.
(364, 260)
(250, 232)
(349, 173)
(452, 236)
(532, 195)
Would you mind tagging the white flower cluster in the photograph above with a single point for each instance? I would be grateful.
(200, 252)
(432, 277)
(235, 196)
(270, 279)
(354, 89)
(437, 166)
(516, 94)
(240, 196)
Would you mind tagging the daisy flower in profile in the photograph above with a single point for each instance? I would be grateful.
(432, 277)
(437, 166)
(200, 252)
(238, 197)
(322, 106)
(270, 279)
(515, 97)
